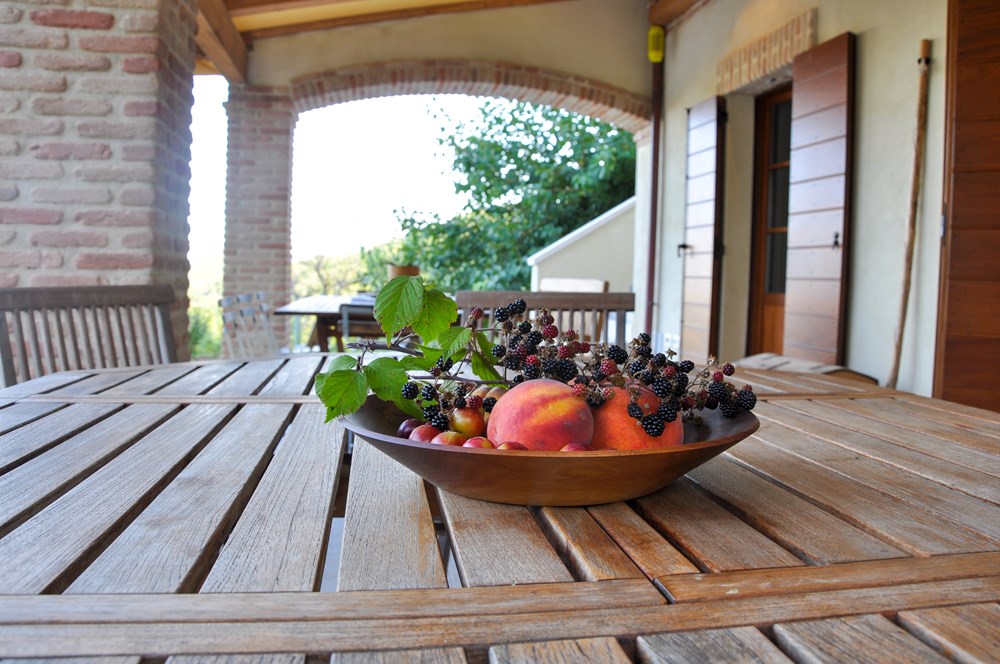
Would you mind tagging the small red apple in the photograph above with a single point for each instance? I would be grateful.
(576, 447)
(407, 427)
(468, 421)
(479, 441)
(512, 445)
(449, 438)
(424, 433)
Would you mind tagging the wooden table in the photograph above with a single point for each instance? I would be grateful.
(336, 316)
(186, 510)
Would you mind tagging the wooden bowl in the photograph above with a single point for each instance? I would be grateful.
(529, 477)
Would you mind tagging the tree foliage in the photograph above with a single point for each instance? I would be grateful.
(532, 174)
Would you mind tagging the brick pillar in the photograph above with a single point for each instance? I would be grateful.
(258, 182)
(95, 144)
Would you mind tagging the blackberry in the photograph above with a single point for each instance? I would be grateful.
(532, 371)
(728, 408)
(517, 307)
(440, 422)
(500, 314)
(428, 393)
(507, 326)
(524, 326)
(635, 366)
(653, 424)
(659, 360)
(516, 340)
(685, 366)
(460, 402)
(512, 362)
(445, 404)
(661, 387)
(711, 403)
(634, 410)
(617, 354)
(682, 380)
(566, 370)
(431, 411)
(445, 363)
(718, 391)
(550, 331)
(644, 351)
(643, 339)
(728, 369)
(746, 399)
(533, 338)
(549, 366)
(462, 390)
(499, 350)
(410, 390)
(518, 379)
(488, 404)
(595, 400)
(667, 411)
(646, 377)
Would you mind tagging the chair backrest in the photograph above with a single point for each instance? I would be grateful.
(576, 310)
(246, 326)
(593, 323)
(53, 329)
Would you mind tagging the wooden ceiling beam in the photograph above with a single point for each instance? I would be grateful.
(665, 12)
(220, 41)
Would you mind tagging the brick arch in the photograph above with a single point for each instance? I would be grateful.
(625, 109)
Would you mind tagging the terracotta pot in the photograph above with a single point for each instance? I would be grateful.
(403, 270)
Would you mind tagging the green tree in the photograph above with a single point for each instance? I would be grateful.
(531, 174)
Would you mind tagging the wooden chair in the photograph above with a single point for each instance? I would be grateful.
(246, 326)
(46, 330)
(574, 309)
(593, 322)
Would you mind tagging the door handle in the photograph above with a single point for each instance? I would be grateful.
(683, 248)
(836, 240)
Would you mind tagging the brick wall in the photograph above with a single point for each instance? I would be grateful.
(95, 114)
(258, 185)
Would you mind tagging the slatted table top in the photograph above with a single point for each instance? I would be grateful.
(205, 509)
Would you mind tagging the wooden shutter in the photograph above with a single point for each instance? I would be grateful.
(819, 201)
(968, 340)
(702, 248)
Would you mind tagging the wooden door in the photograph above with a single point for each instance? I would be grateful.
(702, 247)
(968, 340)
(819, 201)
(770, 224)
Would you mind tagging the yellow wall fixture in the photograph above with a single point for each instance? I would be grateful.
(655, 45)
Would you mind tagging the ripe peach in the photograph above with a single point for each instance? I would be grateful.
(542, 414)
(614, 429)
(468, 421)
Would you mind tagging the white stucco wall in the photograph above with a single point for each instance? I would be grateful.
(601, 249)
(602, 40)
(888, 38)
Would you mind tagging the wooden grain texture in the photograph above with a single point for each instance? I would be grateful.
(248, 379)
(952, 465)
(294, 378)
(799, 581)
(147, 382)
(972, 513)
(640, 541)
(389, 539)
(19, 414)
(590, 552)
(510, 528)
(984, 421)
(905, 526)
(28, 487)
(187, 518)
(810, 532)
(26, 442)
(359, 632)
(41, 550)
(837, 640)
(279, 543)
(201, 380)
(597, 651)
(43, 384)
(98, 383)
(969, 633)
(739, 644)
(712, 537)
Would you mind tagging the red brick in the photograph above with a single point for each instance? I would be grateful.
(25, 127)
(66, 18)
(110, 129)
(126, 4)
(9, 279)
(142, 108)
(120, 44)
(140, 65)
(135, 218)
(10, 15)
(22, 215)
(30, 170)
(136, 172)
(146, 22)
(10, 59)
(78, 195)
(138, 196)
(118, 85)
(73, 62)
(138, 241)
(113, 261)
(73, 279)
(71, 150)
(71, 106)
(22, 258)
(141, 152)
(33, 38)
(33, 82)
(69, 239)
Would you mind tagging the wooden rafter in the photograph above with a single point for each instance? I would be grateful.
(220, 41)
(665, 12)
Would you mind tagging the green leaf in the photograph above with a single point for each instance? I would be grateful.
(343, 362)
(386, 377)
(438, 313)
(453, 340)
(414, 363)
(342, 391)
(399, 303)
(483, 368)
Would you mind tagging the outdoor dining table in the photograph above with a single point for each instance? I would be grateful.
(199, 509)
(338, 316)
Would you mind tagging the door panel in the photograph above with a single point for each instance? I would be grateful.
(702, 231)
(968, 340)
(819, 200)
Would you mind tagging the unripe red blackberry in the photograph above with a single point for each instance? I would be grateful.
(728, 369)
(474, 401)
(550, 331)
(608, 368)
(476, 313)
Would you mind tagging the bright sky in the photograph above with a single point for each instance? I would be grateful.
(354, 165)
